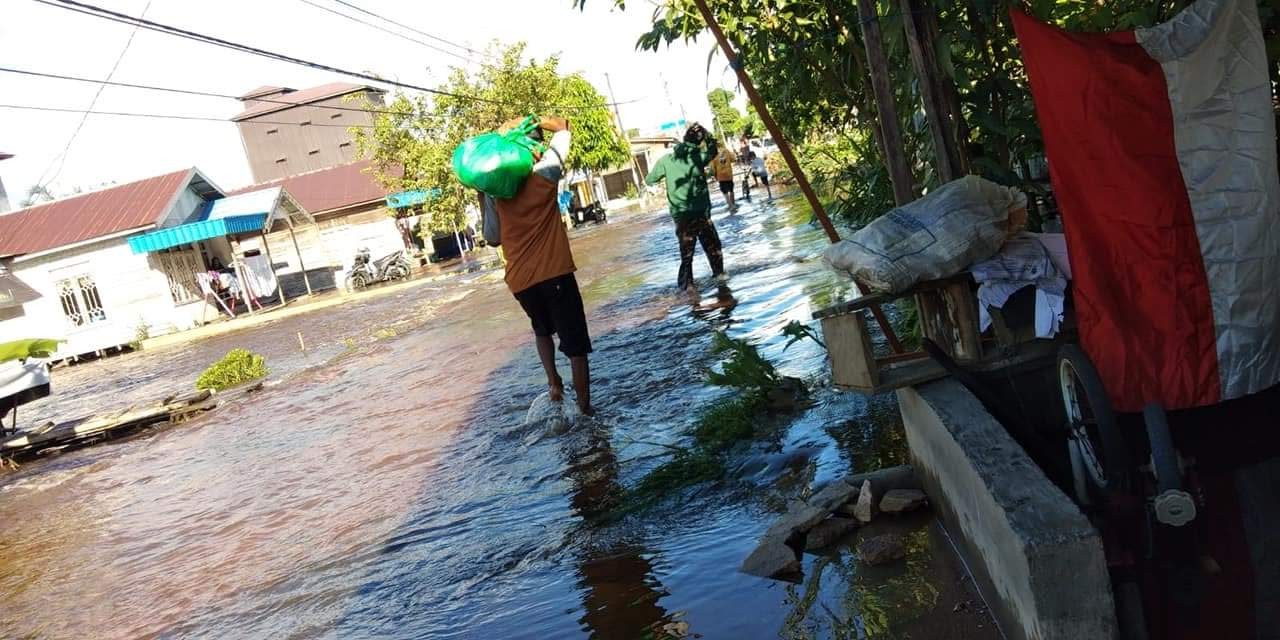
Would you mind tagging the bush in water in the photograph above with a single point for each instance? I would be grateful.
(237, 367)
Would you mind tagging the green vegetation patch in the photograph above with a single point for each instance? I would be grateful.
(237, 367)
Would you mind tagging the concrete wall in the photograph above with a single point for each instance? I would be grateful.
(1034, 555)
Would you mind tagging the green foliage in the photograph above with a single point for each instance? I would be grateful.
(413, 137)
(795, 331)
(906, 323)
(727, 119)
(726, 423)
(808, 61)
(28, 348)
(237, 367)
(745, 370)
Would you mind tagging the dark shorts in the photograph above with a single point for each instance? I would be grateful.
(555, 307)
(726, 187)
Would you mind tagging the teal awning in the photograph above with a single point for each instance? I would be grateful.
(411, 198)
(192, 232)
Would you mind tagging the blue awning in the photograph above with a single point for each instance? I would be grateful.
(196, 231)
(411, 198)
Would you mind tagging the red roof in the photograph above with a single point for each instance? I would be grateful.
(339, 187)
(92, 215)
(305, 96)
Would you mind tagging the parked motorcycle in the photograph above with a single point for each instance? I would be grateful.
(365, 272)
(591, 213)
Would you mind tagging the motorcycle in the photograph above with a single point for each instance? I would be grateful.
(591, 213)
(365, 272)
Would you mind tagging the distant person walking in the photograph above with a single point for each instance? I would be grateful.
(540, 265)
(723, 166)
(689, 201)
(760, 172)
(744, 156)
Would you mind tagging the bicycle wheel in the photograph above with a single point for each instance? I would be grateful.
(1096, 448)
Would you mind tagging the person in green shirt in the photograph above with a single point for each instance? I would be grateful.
(689, 201)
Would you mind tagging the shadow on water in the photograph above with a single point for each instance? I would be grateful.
(387, 484)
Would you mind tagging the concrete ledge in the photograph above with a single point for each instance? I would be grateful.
(1036, 558)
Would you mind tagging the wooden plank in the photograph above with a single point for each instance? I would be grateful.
(949, 317)
(936, 109)
(101, 425)
(853, 364)
(878, 69)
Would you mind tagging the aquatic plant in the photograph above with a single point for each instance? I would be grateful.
(797, 331)
(745, 369)
(726, 423)
(237, 367)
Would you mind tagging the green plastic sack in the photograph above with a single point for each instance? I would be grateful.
(497, 163)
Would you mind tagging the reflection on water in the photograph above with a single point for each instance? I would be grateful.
(386, 484)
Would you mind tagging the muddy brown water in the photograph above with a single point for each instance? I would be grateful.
(384, 483)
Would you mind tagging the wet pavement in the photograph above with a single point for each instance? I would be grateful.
(385, 484)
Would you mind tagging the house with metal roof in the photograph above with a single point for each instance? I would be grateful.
(131, 261)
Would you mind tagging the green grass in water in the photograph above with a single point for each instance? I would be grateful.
(237, 367)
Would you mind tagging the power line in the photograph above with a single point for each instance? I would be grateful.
(170, 116)
(192, 92)
(61, 159)
(122, 18)
(409, 28)
(386, 30)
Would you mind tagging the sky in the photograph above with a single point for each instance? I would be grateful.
(112, 149)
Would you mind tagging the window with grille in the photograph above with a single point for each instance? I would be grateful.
(81, 303)
(180, 268)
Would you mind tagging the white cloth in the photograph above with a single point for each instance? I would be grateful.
(261, 281)
(1023, 261)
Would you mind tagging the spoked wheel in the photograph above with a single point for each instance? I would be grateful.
(1096, 448)
(357, 281)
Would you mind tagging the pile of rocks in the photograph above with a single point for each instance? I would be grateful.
(833, 513)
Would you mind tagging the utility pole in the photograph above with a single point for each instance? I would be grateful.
(785, 149)
(635, 171)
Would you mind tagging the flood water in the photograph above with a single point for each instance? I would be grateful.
(384, 482)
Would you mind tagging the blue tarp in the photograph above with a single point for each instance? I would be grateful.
(196, 231)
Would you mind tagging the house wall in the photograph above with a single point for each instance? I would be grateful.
(134, 293)
(328, 246)
(276, 151)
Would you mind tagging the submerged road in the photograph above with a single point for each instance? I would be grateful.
(384, 483)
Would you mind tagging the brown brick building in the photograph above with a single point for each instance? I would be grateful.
(287, 132)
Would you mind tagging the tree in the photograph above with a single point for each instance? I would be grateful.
(808, 61)
(35, 195)
(727, 119)
(412, 140)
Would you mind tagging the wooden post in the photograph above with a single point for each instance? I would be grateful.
(878, 69)
(784, 148)
(306, 279)
(936, 109)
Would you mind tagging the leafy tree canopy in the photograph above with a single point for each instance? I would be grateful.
(412, 141)
(727, 119)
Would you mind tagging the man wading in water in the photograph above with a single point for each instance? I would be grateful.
(540, 266)
(689, 201)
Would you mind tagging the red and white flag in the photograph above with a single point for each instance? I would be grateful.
(1162, 151)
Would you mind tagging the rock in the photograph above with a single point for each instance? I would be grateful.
(832, 496)
(902, 500)
(862, 510)
(773, 558)
(882, 549)
(829, 532)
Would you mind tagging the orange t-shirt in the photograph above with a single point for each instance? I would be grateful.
(534, 240)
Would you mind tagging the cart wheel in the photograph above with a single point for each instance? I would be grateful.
(1094, 443)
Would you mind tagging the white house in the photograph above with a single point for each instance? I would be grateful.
(125, 263)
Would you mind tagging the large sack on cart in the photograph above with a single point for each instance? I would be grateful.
(961, 222)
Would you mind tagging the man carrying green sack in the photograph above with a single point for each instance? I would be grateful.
(689, 201)
(540, 265)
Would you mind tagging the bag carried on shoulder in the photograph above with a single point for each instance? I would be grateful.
(498, 163)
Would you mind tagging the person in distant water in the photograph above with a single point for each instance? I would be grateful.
(540, 265)
(566, 199)
(689, 201)
(723, 166)
(744, 156)
(761, 172)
